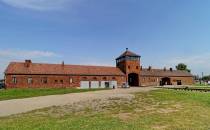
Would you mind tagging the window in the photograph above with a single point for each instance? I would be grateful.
(137, 67)
(129, 67)
(61, 81)
(30, 80)
(71, 80)
(104, 78)
(84, 78)
(107, 85)
(95, 78)
(44, 80)
(113, 78)
(14, 80)
(132, 58)
(56, 81)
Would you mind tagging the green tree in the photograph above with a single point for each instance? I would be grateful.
(182, 67)
(206, 78)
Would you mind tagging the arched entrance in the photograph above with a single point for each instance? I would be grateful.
(133, 79)
(165, 81)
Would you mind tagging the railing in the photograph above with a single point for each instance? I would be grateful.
(200, 89)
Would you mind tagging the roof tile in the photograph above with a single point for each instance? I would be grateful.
(128, 53)
(36, 68)
(165, 73)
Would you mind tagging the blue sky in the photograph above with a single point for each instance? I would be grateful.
(95, 32)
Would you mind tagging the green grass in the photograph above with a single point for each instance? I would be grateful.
(25, 93)
(199, 88)
(201, 85)
(158, 110)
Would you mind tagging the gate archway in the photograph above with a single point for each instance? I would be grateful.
(165, 81)
(133, 79)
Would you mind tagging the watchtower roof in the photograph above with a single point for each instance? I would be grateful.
(128, 53)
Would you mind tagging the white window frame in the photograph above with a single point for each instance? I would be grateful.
(30, 80)
(14, 80)
(71, 80)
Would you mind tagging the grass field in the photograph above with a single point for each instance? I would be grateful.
(201, 85)
(25, 93)
(158, 110)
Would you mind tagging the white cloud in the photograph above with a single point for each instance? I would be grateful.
(97, 64)
(26, 54)
(6, 56)
(198, 63)
(38, 4)
(197, 59)
(94, 61)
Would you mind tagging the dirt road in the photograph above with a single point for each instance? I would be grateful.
(17, 106)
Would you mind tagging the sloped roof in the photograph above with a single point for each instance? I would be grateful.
(59, 69)
(165, 73)
(128, 53)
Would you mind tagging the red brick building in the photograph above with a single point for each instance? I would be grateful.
(128, 70)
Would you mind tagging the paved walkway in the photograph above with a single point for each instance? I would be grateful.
(17, 106)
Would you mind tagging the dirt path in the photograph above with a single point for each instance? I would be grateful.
(17, 106)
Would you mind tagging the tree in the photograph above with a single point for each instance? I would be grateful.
(206, 78)
(182, 67)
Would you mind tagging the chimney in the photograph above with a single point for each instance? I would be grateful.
(171, 69)
(28, 63)
(141, 68)
(150, 68)
(63, 63)
(164, 69)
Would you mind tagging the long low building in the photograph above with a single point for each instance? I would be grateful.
(127, 71)
(160, 77)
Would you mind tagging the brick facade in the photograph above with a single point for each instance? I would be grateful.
(128, 70)
(56, 81)
(155, 81)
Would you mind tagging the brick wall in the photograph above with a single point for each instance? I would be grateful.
(155, 81)
(130, 66)
(57, 81)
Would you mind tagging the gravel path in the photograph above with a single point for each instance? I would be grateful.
(17, 106)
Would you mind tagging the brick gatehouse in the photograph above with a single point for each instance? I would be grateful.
(128, 70)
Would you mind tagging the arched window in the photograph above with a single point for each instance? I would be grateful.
(104, 78)
(61, 81)
(84, 78)
(56, 81)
